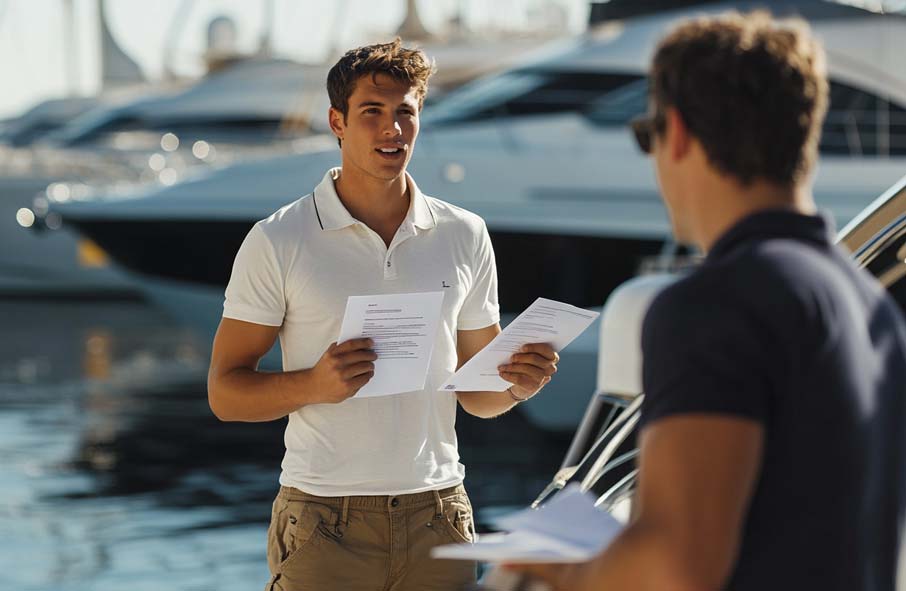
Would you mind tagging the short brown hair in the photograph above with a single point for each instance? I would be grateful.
(400, 63)
(752, 90)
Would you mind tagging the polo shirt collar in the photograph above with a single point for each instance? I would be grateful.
(333, 215)
(775, 223)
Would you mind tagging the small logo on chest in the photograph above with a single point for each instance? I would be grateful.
(444, 284)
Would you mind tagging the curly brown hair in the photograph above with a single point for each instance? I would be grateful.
(404, 64)
(751, 89)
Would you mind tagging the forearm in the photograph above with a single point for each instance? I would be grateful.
(646, 558)
(244, 394)
(486, 405)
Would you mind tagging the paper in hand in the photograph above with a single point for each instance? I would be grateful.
(403, 328)
(545, 321)
(569, 528)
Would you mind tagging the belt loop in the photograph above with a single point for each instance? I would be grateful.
(438, 504)
(344, 518)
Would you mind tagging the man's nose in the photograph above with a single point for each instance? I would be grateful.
(393, 129)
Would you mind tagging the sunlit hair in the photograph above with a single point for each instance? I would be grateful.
(751, 89)
(403, 64)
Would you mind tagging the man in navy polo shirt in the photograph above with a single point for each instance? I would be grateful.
(773, 438)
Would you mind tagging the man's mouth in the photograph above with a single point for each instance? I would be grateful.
(390, 152)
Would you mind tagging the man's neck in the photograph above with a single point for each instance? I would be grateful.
(725, 202)
(379, 204)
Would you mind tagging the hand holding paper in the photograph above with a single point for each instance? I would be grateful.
(568, 529)
(545, 321)
(403, 328)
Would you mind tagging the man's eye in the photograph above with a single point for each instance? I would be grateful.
(372, 110)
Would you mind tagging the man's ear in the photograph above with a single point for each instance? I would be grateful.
(337, 122)
(679, 140)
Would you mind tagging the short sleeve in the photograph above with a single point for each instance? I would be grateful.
(480, 307)
(255, 291)
(704, 355)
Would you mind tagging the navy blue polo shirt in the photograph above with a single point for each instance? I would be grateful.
(779, 326)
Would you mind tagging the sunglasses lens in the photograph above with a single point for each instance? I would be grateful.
(642, 132)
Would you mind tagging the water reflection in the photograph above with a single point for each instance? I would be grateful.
(114, 473)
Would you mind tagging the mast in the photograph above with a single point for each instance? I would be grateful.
(117, 68)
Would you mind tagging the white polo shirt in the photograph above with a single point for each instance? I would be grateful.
(297, 268)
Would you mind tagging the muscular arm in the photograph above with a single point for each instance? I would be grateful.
(528, 371)
(480, 404)
(237, 391)
(696, 478)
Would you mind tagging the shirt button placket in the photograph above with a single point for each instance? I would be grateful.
(389, 267)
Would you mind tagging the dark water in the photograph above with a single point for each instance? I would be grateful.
(114, 474)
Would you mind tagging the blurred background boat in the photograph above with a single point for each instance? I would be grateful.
(542, 152)
(246, 106)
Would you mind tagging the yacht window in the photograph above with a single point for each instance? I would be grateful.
(619, 106)
(859, 123)
(524, 92)
(136, 134)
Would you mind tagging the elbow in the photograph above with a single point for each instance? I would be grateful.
(217, 408)
(215, 402)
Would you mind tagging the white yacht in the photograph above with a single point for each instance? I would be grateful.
(542, 152)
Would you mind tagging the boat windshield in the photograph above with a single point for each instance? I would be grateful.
(525, 92)
(858, 123)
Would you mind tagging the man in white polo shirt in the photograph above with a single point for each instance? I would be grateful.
(368, 485)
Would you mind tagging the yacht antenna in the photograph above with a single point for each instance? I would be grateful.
(412, 28)
(117, 68)
(70, 48)
(266, 45)
(174, 32)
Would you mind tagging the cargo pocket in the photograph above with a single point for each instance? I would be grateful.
(294, 526)
(458, 518)
(273, 584)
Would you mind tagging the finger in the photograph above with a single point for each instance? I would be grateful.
(510, 377)
(530, 385)
(357, 369)
(537, 360)
(346, 359)
(354, 345)
(543, 349)
(526, 369)
(359, 382)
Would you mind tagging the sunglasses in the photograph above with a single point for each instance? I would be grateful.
(644, 127)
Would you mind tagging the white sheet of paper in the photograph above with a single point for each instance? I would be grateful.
(569, 528)
(403, 327)
(545, 321)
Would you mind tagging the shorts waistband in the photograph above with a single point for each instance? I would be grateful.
(375, 502)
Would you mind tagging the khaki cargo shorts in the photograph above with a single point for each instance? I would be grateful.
(373, 543)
